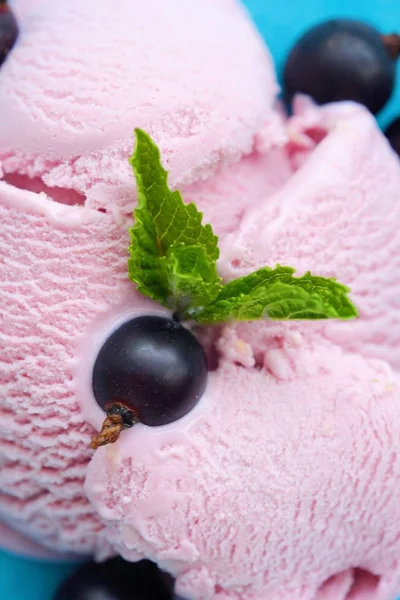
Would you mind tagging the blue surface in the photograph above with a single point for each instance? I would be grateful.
(29, 579)
(280, 23)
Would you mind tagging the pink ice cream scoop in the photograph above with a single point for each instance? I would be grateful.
(283, 482)
(80, 78)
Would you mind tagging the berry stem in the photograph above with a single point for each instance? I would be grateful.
(392, 44)
(110, 432)
(119, 417)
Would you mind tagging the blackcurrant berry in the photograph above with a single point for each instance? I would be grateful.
(343, 60)
(8, 30)
(393, 135)
(117, 579)
(152, 370)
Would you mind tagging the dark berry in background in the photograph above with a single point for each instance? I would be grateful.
(8, 30)
(117, 579)
(343, 60)
(154, 365)
(393, 135)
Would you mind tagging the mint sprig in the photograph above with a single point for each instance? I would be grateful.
(173, 259)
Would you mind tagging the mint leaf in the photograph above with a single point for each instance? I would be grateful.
(192, 277)
(172, 254)
(276, 294)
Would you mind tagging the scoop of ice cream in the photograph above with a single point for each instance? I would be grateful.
(283, 482)
(338, 215)
(195, 75)
(270, 487)
(82, 75)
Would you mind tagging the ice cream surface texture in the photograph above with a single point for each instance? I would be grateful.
(283, 482)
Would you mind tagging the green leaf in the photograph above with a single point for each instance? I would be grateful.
(192, 277)
(172, 254)
(276, 294)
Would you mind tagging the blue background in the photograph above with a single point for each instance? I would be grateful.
(280, 22)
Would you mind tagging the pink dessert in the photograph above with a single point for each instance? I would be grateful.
(283, 482)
